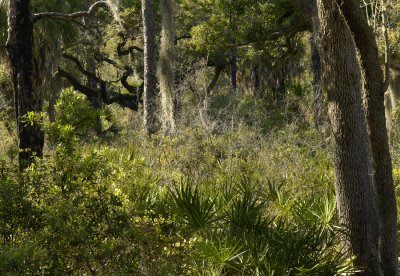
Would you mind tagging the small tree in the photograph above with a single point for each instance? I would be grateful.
(26, 81)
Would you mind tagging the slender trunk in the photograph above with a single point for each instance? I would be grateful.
(395, 88)
(279, 89)
(256, 78)
(91, 67)
(318, 98)
(233, 69)
(55, 89)
(217, 72)
(166, 65)
(375, 88)
(355, 194)
(150, 67)
(19, 48)
(391, 99)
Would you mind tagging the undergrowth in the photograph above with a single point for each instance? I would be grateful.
(198, 203)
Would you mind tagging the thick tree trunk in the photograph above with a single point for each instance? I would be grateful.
(150, 67)
(166, 65)
(354, 188)
(375, 89)
(19, 48)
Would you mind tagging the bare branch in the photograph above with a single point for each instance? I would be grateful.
(129, 50)
(130, 101)
(124, 79)
(89, 92)
(81, 68)
(68, 17)
(100, 57)
(186, 36)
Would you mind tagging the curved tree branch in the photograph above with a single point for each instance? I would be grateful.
(120, 47)
(82, 69)
(130, 101)
(70, 16)
(87, 91)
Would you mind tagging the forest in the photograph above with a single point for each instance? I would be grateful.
(199, 137)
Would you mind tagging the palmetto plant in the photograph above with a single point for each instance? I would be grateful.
(221, 255)
(244, 236)
(197, 210)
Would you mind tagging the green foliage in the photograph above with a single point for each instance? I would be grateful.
(114, 209)
(197, 210)
(75, 110)
(77, 120)
(243, 238)
(221, 256)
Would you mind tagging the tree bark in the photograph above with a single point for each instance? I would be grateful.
(19, 48)
(150, 67)
(374, 88)
(354, 188)
(166, 65)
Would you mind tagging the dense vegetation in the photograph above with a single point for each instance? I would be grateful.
(236, 176)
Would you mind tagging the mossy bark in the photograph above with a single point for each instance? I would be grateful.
(166, 66)
(150, 67)
(374, 91)
(356, 199)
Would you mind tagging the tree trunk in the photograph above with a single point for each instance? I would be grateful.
(233, 69)
(391, 99)
(375, 88)
(318, 97)
(19, 48)
(96, 101)
(150, 67)
(256, 79)
(217, 72)
(55, 89)
(166, 65)
(354, 188)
